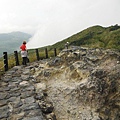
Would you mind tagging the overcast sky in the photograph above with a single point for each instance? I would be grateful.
(50, 21)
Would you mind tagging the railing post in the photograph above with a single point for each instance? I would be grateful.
(5, 61)
(16, 57)
(55, 52)
(37, 54)
(46, 53)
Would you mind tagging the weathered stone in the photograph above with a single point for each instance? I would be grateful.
(25, 77)
(26, 94)
(4, 112)
(12, 85)
(3, 115)
(35, 112)
(3, 84)
(26, 72)
(15, 94)
(32, 106)
(29, 100)
(7, 79)
(40, 86)
(34, 118)
(82, 84)
(16, 79)
(4, 89)
(29, 88)
(46, 107)
(3, 103)
(46, 73)
(51, 116)
(10, 72)
(15, 89)
(3, 96)
(24, 83)
(11, 99)
(17, 110)
(39, 96)
(18, 116)
(17, 103)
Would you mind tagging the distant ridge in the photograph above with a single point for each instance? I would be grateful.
(9, 42)
(94, 37)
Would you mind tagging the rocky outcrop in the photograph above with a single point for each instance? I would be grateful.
(78, 84)
(83, 84)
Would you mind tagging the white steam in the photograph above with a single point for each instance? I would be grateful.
(63, 19)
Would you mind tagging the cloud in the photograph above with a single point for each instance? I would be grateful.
(52, 20)
(71, 17)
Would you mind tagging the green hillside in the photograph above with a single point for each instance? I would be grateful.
(96, 36)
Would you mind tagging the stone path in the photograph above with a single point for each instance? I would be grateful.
(86, 88)
(19, 99)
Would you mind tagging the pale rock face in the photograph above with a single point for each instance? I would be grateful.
(24, 83)
(83, 84)
(79, 84)
(40, 86)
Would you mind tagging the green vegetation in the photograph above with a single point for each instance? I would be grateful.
(93, 37)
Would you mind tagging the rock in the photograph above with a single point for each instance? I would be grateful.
(40, 86)
(25, 77)
(29, 100)
(4, 112)
(25, 94)
(3, 103)
(78, 84)
(34, 118)
(95, 85)
(24, 83)
(51, 116)
(46, 107)
(17, 116)
(33, 106)
(3, 96)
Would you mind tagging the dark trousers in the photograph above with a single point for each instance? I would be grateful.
(24, 61)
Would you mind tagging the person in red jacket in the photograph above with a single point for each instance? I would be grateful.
(24, 53)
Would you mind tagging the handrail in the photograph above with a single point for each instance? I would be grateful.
(13, 59)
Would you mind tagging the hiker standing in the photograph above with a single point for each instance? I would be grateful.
(66, 45)
(24, 53)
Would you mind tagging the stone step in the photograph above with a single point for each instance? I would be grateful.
(18, 96)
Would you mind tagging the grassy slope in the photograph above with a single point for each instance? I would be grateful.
(95, 36)
(92, 37)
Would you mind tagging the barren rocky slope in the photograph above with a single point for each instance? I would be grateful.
(82, 84)
(78, 84)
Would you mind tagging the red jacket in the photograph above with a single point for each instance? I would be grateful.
(23, 47)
